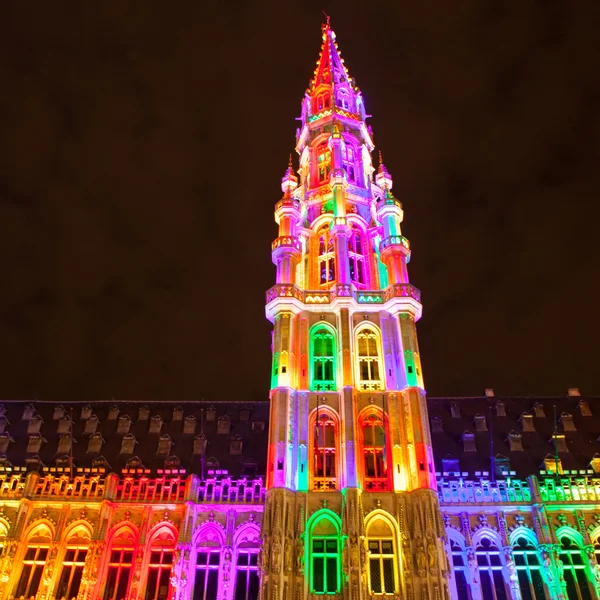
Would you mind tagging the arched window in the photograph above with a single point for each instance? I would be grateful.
(208, 562)
(460, 570)
(322, 359)
(382, 556)
(246, 573)
(323, 162)
(325, 548)
(375, 451)
(120, 561)
(72, 564)
(34, 561)
(574, 570)
(162, 547)
(324, 472)
(369, 367)
(356, 257)
(342, 100)
(527, 562)
(489, 564)
(348, 160)
(326, 256)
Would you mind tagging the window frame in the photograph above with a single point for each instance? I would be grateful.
(330, 517)
(326, 256)
(373, 416)
(372, 384)
(329, 419)
(323, 384)
(380, 557)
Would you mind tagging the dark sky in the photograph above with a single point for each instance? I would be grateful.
(141, 150)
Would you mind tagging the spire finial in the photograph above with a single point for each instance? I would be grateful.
(327, 18)
(380, 158)
(290, 161)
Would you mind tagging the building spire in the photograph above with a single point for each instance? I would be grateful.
(330, 69)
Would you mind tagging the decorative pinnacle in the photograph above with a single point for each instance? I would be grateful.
(290, 161)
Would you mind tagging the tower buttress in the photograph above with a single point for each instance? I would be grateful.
(349, 444)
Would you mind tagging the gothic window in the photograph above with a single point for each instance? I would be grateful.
(206, 582)
(189, 424)
(159, 566)
(356, 257)
(155, 424)
(120, 560)
(480, 424)
(325, 565)
(380, 543)
(64, 425)
(527, 423)
(574, 570)
(468, 440)
(91, 424)
(342, 101)
(515, 441)
(323, 101)
(567, 422)
(72, 567)
(490, 571)
(527, 562)
(375, 452)
(124, 424)
(127, 444)
(460, 571)
(31, 575)
(326, 256)
(323, 359)
(369, 361)
(95, 443)
(597, 549)
(246, 575)
(324, 453)
(323, 162)
(348, 160)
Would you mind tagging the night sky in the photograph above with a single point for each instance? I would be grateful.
(141, 150)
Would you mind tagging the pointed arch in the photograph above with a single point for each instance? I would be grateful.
(457, 553)
(522, 532)
(382, 546)
(369, 368)
(75, 546)
(574, 561)
(527, 562)
(374, 449)
(160, 550)
(209, 541)
(324, 434)
(123, 541)
(246, 542)
(323, 357)
(33, 555)
(490, 563)
(323, 552)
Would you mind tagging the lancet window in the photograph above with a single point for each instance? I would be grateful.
(574, 570)
(208, 562)
(324, 451)
(382, 557)
(342, 101)
(527, 562)
(33, 562)
(369, 361)
(356, 257)
(323, 162)
(489, 564)
(348, 160)
(375, 451)
(246, 574)
(326, 256)
(323, 101)
(72, 567)
(323, 359)
(459, 564)
(120, 560)
(325, 550)
(159, 566)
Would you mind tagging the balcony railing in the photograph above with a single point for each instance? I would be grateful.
(394, 240)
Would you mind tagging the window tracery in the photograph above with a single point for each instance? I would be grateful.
(326, 256)
(325, 548)
(324, 452)
(489, 565)
(382, 558)
(369, 360)
(323, 162)
(120, 561)
(528, 565)
(323, 365)
(375, 451)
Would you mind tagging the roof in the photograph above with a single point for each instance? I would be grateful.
(224, 424)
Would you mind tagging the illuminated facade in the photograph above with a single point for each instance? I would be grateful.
(351, 505)
(348, 484)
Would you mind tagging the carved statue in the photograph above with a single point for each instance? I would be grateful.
(289, 551)
(276, 554)
(432, 551)
(226, 563)
(421, 559)
(548, 568)
(596, 574)
(300, 556)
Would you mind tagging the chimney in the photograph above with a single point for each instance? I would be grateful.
(573, 392)
(489, 393)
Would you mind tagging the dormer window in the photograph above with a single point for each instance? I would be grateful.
(64, 425)
(500, 409)
(455, 410)
(34, 444)
(64, 444)
(515, 441)
(323, 162)
(566, 420)
(538, 408)
(143, 413)
(560, 443)
(113, 413)
(436, 425)
(468, 442)
(211, 414)
(91, 424)
(86, 412)
(3, 423)
(224, 425)
(200, 444)
(553, 464)
(164, 445)
(124, 424)
(128, 444)
(155, 424)
(28, 412)
(235, 445)
(326, 256)
(59, 412)
(4, 441)
(34, 425)
(527, 423)
(94, 444)
(584, 407)
(189, 424)
(480, 424)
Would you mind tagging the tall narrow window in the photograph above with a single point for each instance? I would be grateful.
(490, 571)
(324, 555)
(460, 571)
(348, 160)
(206, 582)
(33, 566)
(120, 560)
(323, 360)
(159, 573)
(380, 542)
(246, 575)
(72, 568)
(369, 367)
(326, 256)
(323, 162)
(356, 257)
(574, 570)
(324, 454)
(374, 452)
(527, 562)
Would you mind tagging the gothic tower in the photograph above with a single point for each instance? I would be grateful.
(351, 507)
